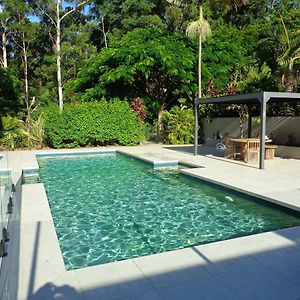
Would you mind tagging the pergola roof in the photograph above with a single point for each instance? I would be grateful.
(262, 97)
(252, 98)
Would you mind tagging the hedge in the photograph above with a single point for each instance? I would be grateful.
(92, 124)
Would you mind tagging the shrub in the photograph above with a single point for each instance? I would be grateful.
(12, 134)
(36, 132)
(179, 124)
(95, 123)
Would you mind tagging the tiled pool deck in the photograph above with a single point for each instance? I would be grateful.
(262, 266)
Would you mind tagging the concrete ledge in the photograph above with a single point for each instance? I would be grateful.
(74, 153)
(5, 172)
(288, 152)
(156, 163)
(259, 196)
(30, 171)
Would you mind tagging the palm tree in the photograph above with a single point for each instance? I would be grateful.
(201, 27)
(290, 48)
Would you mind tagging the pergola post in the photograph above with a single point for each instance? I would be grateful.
(249, 121)
(196, 127)
(263, 114)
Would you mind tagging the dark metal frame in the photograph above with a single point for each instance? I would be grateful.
(262, 97)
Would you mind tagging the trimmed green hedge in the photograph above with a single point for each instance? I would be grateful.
(96, 123)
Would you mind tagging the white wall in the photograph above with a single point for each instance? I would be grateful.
(280, 128)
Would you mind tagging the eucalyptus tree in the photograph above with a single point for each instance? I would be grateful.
(22, 38)
(54, 11)
(4, 23)
(201, 28)
(7, 19)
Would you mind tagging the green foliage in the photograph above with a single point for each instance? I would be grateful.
(13, 133)
(150, 131)
(144, 63)
(10, 92)
(122, 16)
(37, 132)
(252, 79)
(179, 124)
(95, 123)
(223, 53)
(76, 49)
(255, 46)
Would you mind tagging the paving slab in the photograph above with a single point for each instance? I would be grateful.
(112, 281)
(171, 268)
(259, 282)
(205, 289)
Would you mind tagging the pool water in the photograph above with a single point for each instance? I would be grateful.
(108, 208)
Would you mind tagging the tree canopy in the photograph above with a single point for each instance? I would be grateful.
(130, 48)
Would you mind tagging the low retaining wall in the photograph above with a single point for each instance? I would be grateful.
(288, 152)
(282, 130)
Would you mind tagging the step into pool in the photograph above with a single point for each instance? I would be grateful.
(108, 208)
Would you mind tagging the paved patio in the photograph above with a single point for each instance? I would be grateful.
(262, 266)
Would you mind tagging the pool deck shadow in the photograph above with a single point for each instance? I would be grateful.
(230, 270)
(261, 266)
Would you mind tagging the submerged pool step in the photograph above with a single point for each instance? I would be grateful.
(30, 176)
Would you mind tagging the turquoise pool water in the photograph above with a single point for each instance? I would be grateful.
(108, 208)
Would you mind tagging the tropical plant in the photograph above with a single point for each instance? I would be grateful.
(290, 47)
(138, 107)
(179, 124)
(13, 133)
(281, 48)
(37, 132)
(200, 29)
(252, 78)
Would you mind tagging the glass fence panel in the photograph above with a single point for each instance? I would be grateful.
(5, 193)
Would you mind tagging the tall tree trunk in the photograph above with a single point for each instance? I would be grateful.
(4, 51)
(26, 87)
(58, 56)
(200, 57)
(160, 127)
(104, 33)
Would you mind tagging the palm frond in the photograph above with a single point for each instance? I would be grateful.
(197, 27)
(177, 2)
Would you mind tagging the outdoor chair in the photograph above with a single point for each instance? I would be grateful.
(231, 149)
(251, 151)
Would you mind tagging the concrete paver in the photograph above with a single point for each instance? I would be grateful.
(207, 289)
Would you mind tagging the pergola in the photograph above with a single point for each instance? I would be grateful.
(261, 97)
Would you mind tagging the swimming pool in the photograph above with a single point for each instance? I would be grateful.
(110, 207)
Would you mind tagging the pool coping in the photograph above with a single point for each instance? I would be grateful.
(243, 191)
(56, 257)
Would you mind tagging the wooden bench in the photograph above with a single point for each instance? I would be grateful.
(270, 151)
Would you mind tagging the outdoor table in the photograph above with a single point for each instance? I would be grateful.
(240, 144)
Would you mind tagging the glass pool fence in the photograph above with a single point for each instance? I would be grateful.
(7, 190)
